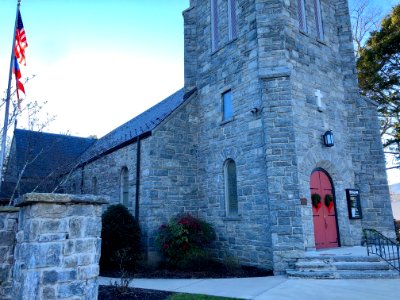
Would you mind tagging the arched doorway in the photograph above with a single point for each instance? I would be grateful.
(324, 211)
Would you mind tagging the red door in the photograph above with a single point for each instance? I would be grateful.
(324, 216)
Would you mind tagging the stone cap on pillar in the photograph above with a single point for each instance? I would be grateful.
(32, 198)
(9, 209)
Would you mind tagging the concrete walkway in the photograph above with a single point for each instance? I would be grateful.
(276, 288)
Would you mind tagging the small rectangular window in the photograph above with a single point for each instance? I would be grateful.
(318, 20)
(232, 20)
(227, 105)
(301, 12)
(214, 25)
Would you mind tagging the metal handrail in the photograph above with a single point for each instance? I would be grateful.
(380, 245)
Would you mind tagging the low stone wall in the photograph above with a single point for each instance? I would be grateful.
(8, 228)
(57, 247)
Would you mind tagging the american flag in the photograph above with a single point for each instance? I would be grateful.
(20, 40)
(18, 83)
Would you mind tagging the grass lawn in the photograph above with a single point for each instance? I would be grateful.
(197, 297)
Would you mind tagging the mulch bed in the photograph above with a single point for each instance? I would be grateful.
(214, 270)
(113, 293)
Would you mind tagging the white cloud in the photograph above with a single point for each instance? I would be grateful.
(92, 93)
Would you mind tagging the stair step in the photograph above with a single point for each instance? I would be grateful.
(346, 265)
(370, 258)
(331, 266)
(343, 274)
(379, 265)
(310, 274)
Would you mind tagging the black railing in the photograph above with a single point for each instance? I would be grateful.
(380, 245)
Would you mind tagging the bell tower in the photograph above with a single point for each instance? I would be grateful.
(283, 71)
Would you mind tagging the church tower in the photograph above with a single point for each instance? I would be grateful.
(272, 77)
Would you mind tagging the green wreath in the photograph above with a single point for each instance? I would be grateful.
(316, 200)
(328, 200)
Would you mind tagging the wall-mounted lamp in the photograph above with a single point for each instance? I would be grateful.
(328, 138)
(256, 111)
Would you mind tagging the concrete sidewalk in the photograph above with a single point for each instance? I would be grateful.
(276, 288)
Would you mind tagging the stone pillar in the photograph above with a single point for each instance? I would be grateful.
(8, 228)
(58, 247)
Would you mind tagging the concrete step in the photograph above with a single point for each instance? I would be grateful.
(344, 274)
(330, 266)
(362, 266)
(370, 258)
(316, 265)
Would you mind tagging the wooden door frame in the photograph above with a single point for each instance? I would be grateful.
(334, 201)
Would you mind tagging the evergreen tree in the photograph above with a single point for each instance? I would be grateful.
(379, 77)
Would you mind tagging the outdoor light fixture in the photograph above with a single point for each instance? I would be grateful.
(328, 138)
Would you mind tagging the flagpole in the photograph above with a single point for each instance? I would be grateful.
(7, 110)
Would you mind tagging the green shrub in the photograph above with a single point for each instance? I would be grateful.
(120, 234)
(183, 242)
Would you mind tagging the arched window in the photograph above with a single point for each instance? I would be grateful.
(318, 19)
(125, 186)
(94, 185)
(214, 25)
(301, 12)
(231, 199)
(232, 20)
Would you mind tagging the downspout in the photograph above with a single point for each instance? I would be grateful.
(137, 179)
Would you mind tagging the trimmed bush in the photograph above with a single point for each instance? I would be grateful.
(120, 234)
(183, 242)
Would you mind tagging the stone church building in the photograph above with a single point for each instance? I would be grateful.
(241, 145)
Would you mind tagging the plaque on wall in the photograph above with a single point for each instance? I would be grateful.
(353, 203)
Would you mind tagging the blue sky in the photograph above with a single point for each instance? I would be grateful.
(99, 63)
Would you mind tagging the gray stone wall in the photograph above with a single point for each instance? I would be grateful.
(169, 185)
(233, 66)
(282, 171)
(317, 67)
(356, 160)
(57, 247)
(8, 229)
(372, 178)
(364, 139)
(190, 44)
(106, 171)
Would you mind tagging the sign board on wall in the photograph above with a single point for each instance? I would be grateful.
(353, 203)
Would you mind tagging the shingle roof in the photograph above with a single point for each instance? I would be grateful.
(44, 156)
(55, 151)
(143, 123)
